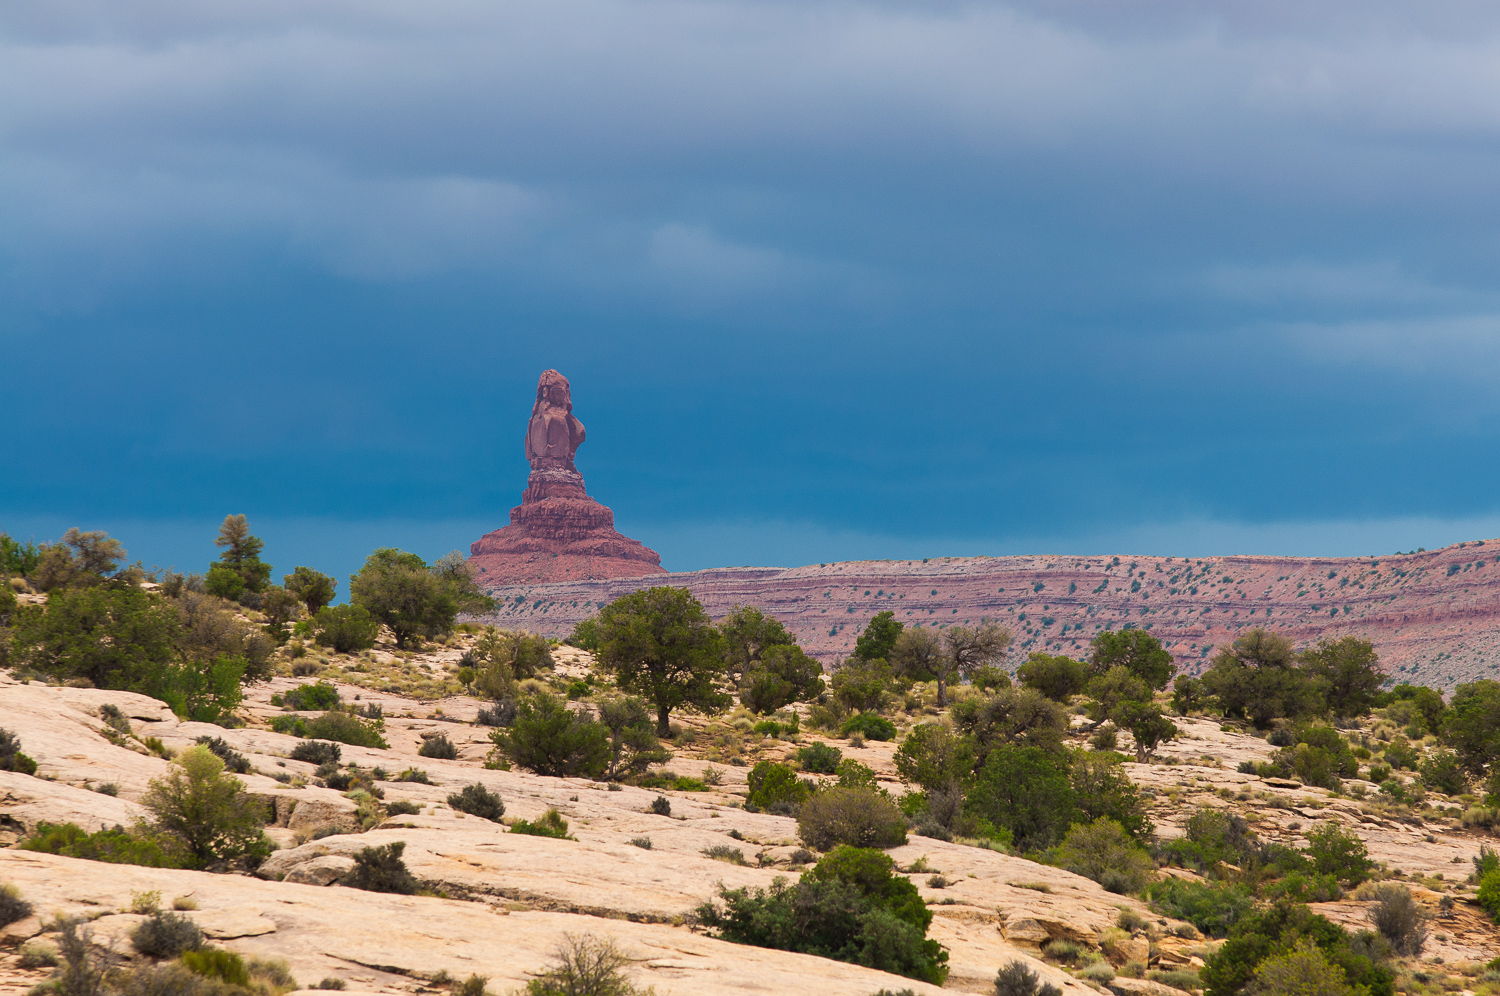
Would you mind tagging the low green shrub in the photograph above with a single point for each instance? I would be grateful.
(439, 748)
(776, 788)
(318, 752)
(1298, 887)
(1104, 852)
(166, 935)
(476, 800)
(1333, 851)
(772, 728)
(403, 807)
(12, 907)
(1443, 772)
(661, 806)
(336, 726)
(380, 869)
(858, 817)
(213, 963)
(723, 852)
(1015, 979)
(820, 758)
(312, 698)
(670, 780)
(1211, 907)
(115, 845)
(1276, 931)
(11, 758)
(1488, 896)
(549, 824)
(550, 739)
(870, 726)
(346, 628)
(413, 775)
(849, 907)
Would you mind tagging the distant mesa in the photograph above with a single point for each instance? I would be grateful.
(557, 533)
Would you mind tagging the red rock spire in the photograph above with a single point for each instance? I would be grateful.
(557, 533)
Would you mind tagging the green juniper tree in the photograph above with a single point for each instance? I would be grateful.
(658, 643)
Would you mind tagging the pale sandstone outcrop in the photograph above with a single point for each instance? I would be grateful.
(392, 943)
(995, 907)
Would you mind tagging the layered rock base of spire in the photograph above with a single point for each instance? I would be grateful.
(559, 533)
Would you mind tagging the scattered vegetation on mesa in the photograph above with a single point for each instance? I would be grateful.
(986, 758)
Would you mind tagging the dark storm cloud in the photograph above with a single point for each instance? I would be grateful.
(897, 271)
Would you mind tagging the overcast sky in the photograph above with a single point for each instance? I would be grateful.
(831, 280)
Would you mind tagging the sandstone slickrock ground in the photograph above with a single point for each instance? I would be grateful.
(1433, 616)
(511, 898)
(515, 896)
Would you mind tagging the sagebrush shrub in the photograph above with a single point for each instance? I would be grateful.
(723, 852)
(336, 726)
(12, 907)
(403, 807)
(1015, 979)
(476, 800)
(1104, 852)
(171, 979)
(500, 714)
(317, 752)
(1399, 918)
(11, 758)
(584, 966)
(661, 806)
(214, 963)
(233, 760)
(439, 748)
(474, 985)
(859, 817)
(166, 935)
(380, 869)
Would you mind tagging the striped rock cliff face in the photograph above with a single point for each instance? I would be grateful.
(1433, 616)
